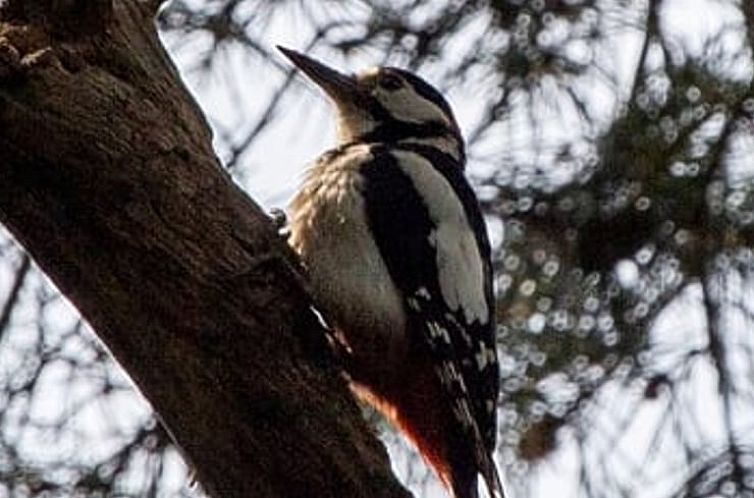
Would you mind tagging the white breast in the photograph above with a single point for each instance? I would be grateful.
(350, 279)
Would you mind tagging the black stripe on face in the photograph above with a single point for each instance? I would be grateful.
(391, 130)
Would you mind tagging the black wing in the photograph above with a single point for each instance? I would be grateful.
(401, 222)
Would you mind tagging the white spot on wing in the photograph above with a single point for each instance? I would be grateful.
(489, 405)
(485, 356)
(413, 304)
(461, 330)
(437, 331)
(461, 270)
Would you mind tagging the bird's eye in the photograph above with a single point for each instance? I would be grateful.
(390, 82)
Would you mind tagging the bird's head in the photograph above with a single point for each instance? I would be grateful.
(385, 104)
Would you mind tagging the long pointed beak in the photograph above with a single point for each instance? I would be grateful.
(340, 87)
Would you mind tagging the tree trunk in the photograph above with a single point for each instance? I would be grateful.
(108, 179)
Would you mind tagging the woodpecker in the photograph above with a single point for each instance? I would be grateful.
(396, 249)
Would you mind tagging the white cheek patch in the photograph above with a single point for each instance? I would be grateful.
(407, 105)
(460, 266)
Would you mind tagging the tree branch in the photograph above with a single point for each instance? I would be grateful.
(108, 179)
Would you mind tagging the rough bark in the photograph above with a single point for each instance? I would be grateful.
(108, 179)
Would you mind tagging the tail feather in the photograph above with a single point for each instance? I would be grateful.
(486, 466)
(468, 465)
(464, 484)
(491, 477)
